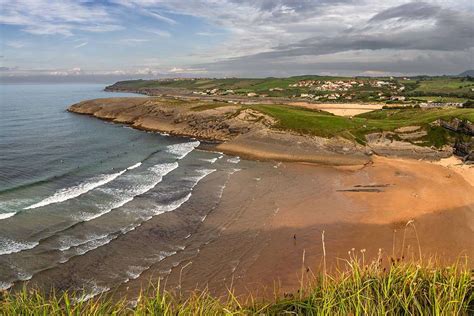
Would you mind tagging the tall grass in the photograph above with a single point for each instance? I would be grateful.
(399, 288)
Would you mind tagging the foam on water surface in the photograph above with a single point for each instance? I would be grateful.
(183, 149)
(8, 246)
(6, 215)
(83, 187)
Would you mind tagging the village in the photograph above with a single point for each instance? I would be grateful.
(390, 92)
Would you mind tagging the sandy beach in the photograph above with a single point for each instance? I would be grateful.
(269, 222)
(259, 229)
(266, 227)
(341, 109)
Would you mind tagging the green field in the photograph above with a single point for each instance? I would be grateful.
(415, 90)
(419, 89)
(320, 123)
(446, 87)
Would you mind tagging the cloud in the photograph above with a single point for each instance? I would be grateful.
(394, 29)
(176, 70)
(158, 32)
(78, 71)
(46, 17)
(268, 37)
(81, 45)
(210, 34)
(161, 17)
(15, 44)
(409, 11)
(3, 69)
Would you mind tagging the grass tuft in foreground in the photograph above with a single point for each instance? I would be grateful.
(399, 289)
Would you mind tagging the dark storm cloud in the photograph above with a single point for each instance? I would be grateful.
(409, 11)
(297, 6)
(448, 31)
(432, 63)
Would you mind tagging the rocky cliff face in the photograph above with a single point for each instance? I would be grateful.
(245, 131)
(459, 126)
(203, 120)
(464, 146)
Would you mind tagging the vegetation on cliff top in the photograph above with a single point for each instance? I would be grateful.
(321, 123)
(362, 289)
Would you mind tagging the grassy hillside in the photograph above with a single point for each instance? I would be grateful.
(366, 89)
(445, 86)
(324, 124)
(402, 289)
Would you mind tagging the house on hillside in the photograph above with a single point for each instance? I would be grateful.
(440, 104)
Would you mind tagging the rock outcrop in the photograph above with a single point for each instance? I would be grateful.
(244, 131)
(464, 146)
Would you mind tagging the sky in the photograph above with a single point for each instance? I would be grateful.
(106, 40)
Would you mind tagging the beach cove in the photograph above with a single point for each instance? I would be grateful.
(267, 225)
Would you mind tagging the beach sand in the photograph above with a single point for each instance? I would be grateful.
(341, 109)
(259, 229)
(268, 225)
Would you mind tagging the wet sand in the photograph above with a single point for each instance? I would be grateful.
(258, 229)
(272, 215)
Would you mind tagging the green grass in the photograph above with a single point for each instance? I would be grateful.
(359, 289)
(431, 87)
(324, 124)
(444, 85)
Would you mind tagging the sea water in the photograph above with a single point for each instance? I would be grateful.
(70, 183)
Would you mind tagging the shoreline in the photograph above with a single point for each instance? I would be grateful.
(271, 213)
(247, 144)
(246, 132)
(250, 226)
(267, 225)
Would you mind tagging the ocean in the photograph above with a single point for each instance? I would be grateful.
(71, 185)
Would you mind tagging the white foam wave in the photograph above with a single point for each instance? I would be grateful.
(94, 244)
(80, 247)
(211, 160)
(134, 272)
(163, 208)
(125, 196)
(93, 291)
(7, 215)
(8, 246)
(138, 164)
(84, 187)
(94, 241)
(234, 160)
(69, 242)
(202, 173)
(183, 149)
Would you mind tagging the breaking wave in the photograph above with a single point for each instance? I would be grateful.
(182, 149)
(77, 190)
(8, 246)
